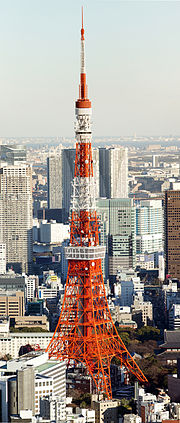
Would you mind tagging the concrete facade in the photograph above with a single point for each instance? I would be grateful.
(12, 304)
(16, 215)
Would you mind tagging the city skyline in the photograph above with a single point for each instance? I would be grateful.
(133, 67)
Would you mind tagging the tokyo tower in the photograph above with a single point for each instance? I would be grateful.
(85, 332)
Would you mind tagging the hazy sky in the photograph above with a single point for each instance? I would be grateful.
(133, 66)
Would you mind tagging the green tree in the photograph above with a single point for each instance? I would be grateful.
(148, 333)
(125, 407)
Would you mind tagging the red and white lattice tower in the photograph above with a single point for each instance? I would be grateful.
(85, 332)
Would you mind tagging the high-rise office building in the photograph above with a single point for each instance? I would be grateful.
(16, 215)
(118, 233)
(68, 156)
(60, 175)
(149, 226)
(122, 242)
(110, 166)
(13, 153)
(102, 205)
(54, 177)
(172, 233)
(113, 171)
(2, 258)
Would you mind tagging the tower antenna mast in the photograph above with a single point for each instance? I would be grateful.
(85, 332)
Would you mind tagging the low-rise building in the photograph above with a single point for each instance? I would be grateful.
(45, 292)
(10, 343)
(4, 325)
(151, 407)
(32, 322)
(128, 287)
(146, 309)
(53, 408)
(171, 347)
(48, 378)
(82, 415)
(12, 303)
(132, 418)
(12, 281)
(105, 410)
(174, 317)
(31, 285)
(2, 258)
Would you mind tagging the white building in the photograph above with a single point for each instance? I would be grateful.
(4, 325)
(151, 408)
(161, 266)
(154, 411)
(146, 308)
(43, 387)
(174, 317)
(50, 375)
(131, 289)
(53, 408)
(53, 232)
(45, 292)
(10, 343)
(31, 283)
(145, 261)
(155, 160)
(82, 415)
(117, 289)
(2, 258)
(132, 418)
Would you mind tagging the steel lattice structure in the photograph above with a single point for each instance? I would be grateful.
(85, 331)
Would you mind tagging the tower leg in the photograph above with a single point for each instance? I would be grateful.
(100, 373)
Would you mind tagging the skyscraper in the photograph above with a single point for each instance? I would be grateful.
(113, 171)
(60, 171)
(68, 161)
(16, 215)
(149, 226)
(172, 233)
(122, 229)
(13, 153)
(118, 234)
(54, 178)
(110, 170)
(2, 258)
(102, 205)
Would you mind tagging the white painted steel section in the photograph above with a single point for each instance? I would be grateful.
(83, 197)
(83, 123)
(85, 253)
(82, 111)
(83, 138)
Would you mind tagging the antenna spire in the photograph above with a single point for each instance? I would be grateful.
(83, 101)
(82, 29)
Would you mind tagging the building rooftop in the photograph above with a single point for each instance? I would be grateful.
(28, 334)
(46, 366)
(171, 339)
